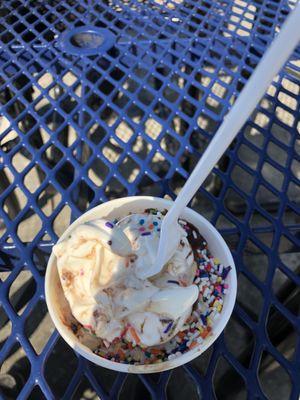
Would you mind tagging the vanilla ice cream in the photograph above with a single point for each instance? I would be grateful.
(100, 266)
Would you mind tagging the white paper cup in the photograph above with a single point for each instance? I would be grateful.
(60, 311)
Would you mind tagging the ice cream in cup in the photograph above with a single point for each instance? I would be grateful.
(104, 308)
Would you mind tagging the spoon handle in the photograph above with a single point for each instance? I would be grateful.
(269, 66)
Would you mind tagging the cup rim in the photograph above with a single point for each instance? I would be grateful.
(83, 350)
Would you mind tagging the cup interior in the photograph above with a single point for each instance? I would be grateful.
(60, 311)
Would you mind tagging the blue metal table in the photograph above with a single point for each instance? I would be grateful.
(103, 99)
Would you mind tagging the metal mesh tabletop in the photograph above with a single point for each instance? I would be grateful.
(103, 99)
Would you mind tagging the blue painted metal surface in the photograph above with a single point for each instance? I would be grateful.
(90, 90)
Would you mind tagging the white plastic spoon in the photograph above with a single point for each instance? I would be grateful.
(269, 66)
